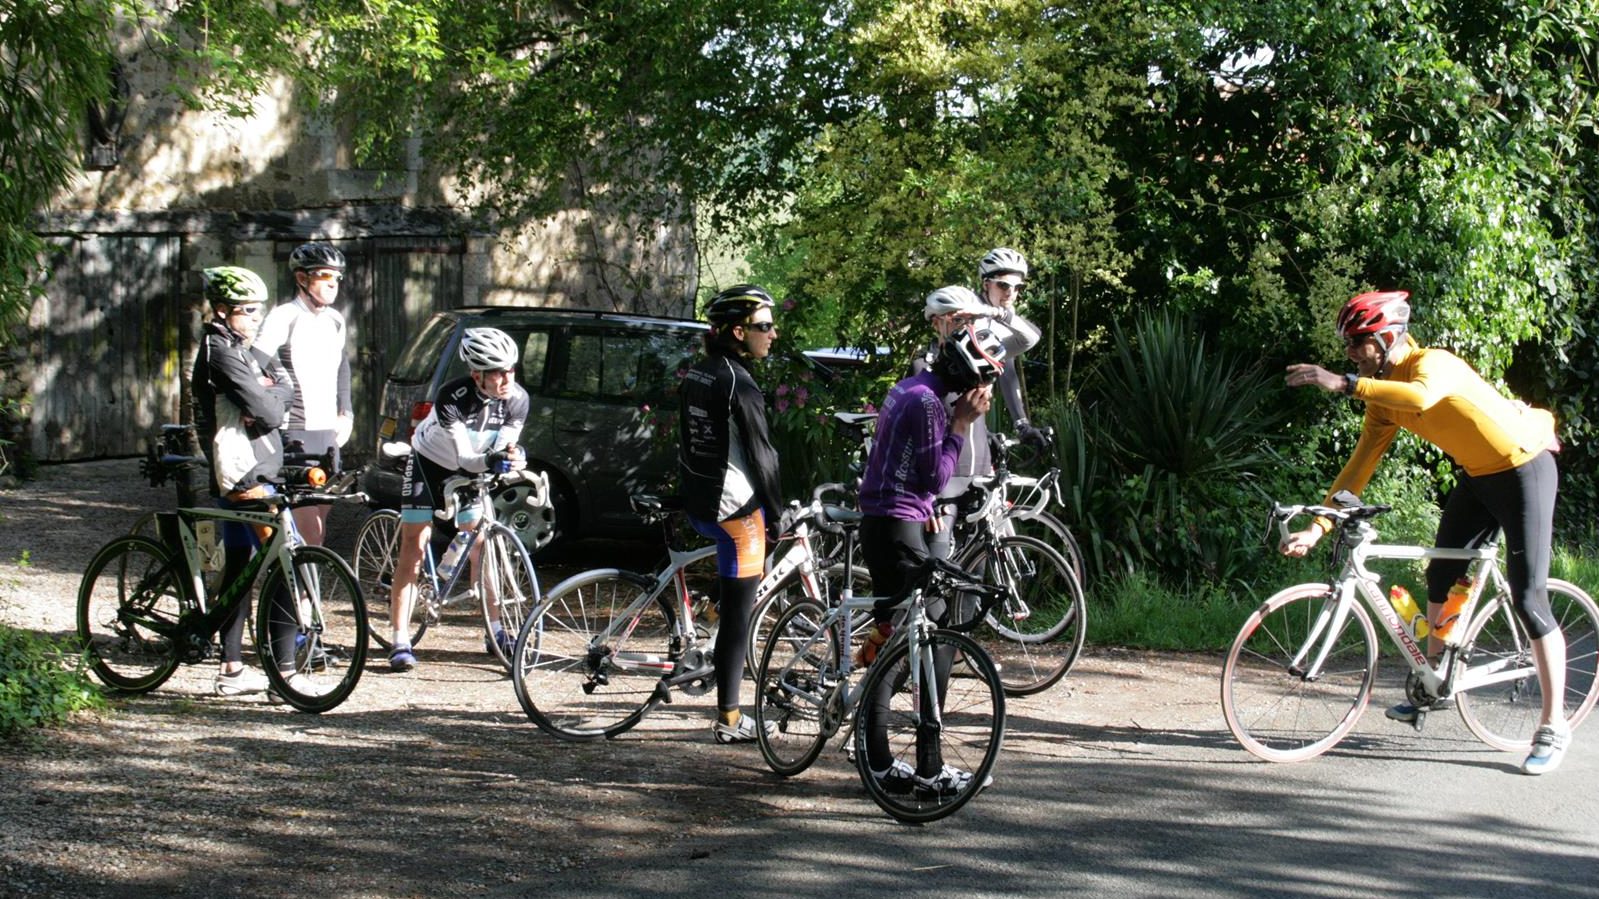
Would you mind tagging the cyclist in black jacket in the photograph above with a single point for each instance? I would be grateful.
(729, 477)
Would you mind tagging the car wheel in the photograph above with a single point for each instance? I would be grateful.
(534, 526)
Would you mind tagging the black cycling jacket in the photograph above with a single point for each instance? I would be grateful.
(726, 462)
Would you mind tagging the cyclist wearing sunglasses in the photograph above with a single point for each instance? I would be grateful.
(1004, 274)
(241, 398)
(308, 335)
(728, 477)
(1506, 481)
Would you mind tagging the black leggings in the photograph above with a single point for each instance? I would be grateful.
(1521, 503)
(282, 626)
(894, 550)
(734, 605)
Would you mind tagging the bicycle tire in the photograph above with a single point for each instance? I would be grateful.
(377, 546)
(770, 607)
(328, 654)
(507, 583)
(972, 732)
(797, 688)
(1046, 527)
(564, 677)
(1275, 713)
(1505, 714)
(1036, 632)
(129, 604)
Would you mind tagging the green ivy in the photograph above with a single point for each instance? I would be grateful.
(41, 683)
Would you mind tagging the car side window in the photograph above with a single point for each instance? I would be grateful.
(622, 367)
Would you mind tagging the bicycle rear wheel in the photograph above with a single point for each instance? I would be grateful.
(507, 585)
(1035, 633)
(1504, 714)
(969, 735)
(768, 608)
(1270, 706)
(312, 642)
(589, 661)
(377, 546)
(129, 603)
(797, 688)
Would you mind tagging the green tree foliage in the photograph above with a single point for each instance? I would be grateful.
(55, 60)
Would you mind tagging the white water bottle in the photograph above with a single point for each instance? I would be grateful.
(452, 556)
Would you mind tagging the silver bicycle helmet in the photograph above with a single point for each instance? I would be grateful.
(488, 349)
(1001, 260)
(953, 298)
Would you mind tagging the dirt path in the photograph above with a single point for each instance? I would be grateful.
(429, 783)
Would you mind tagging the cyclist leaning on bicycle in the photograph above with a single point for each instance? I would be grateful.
(918, 444)
(473, 427)
(728, 478)
(241, 397)
(1507, 481)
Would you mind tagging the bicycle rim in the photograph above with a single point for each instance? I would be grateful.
(129, 604)
(507, 584)
(972, 732)
(312, 641)
(589, 661)
(1505, 714)
(768, 608)
(1035, 633)
(377, 546)
(796, 688)
(1046, 527)
(1272, 710)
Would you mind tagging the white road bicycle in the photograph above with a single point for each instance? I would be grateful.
(1301, 669)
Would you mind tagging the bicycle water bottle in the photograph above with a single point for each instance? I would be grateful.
(1445, 628)
(452, 556)
(1409, 613)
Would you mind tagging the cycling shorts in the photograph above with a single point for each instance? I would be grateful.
(740, 544)
(423, 499)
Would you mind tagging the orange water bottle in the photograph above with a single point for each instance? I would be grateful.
(1415, 620)
(1446, 627)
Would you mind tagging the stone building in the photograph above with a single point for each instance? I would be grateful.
(168, 191)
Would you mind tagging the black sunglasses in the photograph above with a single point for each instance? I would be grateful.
(762, 327)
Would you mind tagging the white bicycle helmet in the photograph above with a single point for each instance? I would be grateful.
(488, 349)
(971, 357)
(953, 299)
(1001, 260)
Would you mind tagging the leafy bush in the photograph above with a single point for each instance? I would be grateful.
(40, 683)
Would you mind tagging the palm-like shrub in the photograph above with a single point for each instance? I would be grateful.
(1160, 458)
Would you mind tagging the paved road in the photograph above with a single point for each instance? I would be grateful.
(1130, 786)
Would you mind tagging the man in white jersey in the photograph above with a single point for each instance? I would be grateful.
(307, 335)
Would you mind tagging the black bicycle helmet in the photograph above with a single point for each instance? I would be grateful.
(735, 305)
(308, 256)
(971, 357)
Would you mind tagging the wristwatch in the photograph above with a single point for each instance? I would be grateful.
(1349, 384)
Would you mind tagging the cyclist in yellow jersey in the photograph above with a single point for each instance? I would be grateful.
(1507, 484)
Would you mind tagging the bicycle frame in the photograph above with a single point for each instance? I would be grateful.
(278, 549)
(1355, 578)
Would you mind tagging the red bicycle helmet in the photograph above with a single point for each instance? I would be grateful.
(1375, 312)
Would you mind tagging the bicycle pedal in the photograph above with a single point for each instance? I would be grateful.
(1421, 720)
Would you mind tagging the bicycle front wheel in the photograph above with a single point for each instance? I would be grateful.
(968, 730)
(1036, 631)
(768, 608)
(507, 585)
(797, 688)
(1271, 707)
(129, 603)
(1505, 713)
(377, 546)
(590, 659)
(312, 639)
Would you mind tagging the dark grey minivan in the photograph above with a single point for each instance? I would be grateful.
(603, 391)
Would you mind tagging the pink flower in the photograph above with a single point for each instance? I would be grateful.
(800, 396)
(782, 404)
(788, 305)
(782, 390)
(870, 408)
